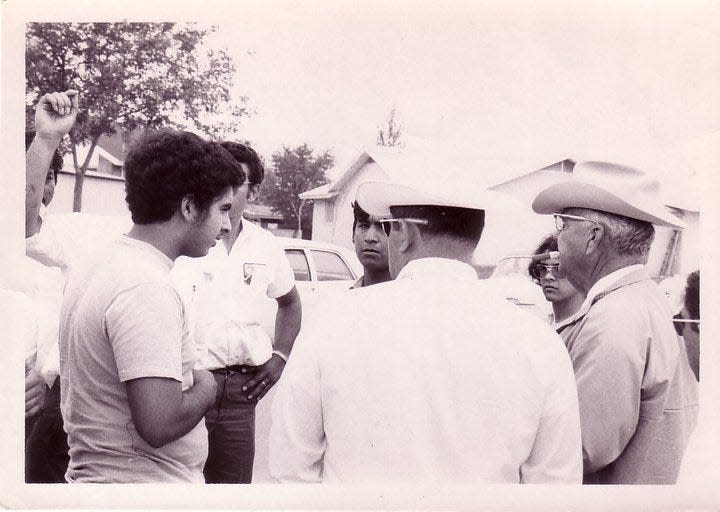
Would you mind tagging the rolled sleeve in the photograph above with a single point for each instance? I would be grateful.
(283, 278)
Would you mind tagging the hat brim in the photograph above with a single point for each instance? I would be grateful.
(578, 194)
(376, 198)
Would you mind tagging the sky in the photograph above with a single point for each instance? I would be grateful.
(501, 88)
(505, 87)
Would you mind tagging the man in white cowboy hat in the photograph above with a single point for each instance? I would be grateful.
(431, 377)
(638, 401)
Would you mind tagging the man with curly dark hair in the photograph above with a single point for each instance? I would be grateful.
(132, 402)
(244, 271)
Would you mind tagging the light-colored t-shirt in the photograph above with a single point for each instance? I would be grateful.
(122, 319)
(228, 294)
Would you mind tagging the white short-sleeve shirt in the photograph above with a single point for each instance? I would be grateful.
(227, 294)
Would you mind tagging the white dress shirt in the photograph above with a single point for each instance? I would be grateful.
(432, 377)
(227, 294)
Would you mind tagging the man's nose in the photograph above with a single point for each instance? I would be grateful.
(225, 228)
(373, 233)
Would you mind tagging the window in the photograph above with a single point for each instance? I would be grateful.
(299, 264)
(331, 267)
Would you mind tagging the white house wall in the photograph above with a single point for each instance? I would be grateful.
(339, 229)
(101, 195)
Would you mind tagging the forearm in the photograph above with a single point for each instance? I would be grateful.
(37, 162)
(191, 409)
(162, 412)
(287, 326)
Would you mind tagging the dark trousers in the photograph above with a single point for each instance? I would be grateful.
(46, 448)
(231, 429)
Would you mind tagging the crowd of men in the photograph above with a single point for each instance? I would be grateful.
(418, 373)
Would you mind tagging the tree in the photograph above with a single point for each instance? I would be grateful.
(295, 170)
(390, 135)
(130, 76)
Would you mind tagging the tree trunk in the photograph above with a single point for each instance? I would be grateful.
(298, 231)
(80, 172)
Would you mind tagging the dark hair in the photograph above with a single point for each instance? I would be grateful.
(692, 295)
(463, 223)
(359, 215)
(548, 243)
(246, 155)
(164, 166)
(55, 164)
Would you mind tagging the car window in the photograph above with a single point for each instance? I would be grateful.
(299, 264)
(331, 267)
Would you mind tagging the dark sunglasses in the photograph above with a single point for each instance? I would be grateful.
(541, 271)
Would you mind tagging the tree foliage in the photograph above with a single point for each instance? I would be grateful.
(130, 76)
(391, 133)
(295, 170)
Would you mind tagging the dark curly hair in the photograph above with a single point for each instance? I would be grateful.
(246, 155)
(55, 164)
(548, 243)
(164, 166)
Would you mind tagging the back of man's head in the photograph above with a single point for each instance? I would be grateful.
(164, 166)
(246, 155)
(625, 236)
(692, 295)
(461, 225)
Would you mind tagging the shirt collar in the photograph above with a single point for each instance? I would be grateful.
(602, 285)
(605, 282)
(440, 267)
(149, 248)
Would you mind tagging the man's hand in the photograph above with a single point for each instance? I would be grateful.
(55, 114)
(35, 389)
(265, 378)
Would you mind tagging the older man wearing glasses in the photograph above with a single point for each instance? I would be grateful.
(638, 400)
(429, 378)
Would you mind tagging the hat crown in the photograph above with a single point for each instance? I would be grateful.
(625, 180)
(608, 187)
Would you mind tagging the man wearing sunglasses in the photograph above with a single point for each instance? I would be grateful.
(638, 399)
(432, 377)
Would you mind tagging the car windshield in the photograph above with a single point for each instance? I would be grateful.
(511, 265)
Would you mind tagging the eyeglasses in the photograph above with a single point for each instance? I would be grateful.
(387, 223)
(541, 271)
(560, 220)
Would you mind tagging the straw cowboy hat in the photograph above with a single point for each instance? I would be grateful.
(608, 187)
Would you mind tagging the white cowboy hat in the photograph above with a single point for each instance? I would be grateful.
(376, 198)
(608, 187)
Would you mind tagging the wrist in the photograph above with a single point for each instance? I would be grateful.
(48, 138)
(280, 355)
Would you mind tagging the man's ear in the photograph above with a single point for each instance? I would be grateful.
(408, 236)
(188, 209)
(253, 191)
(595, 238)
